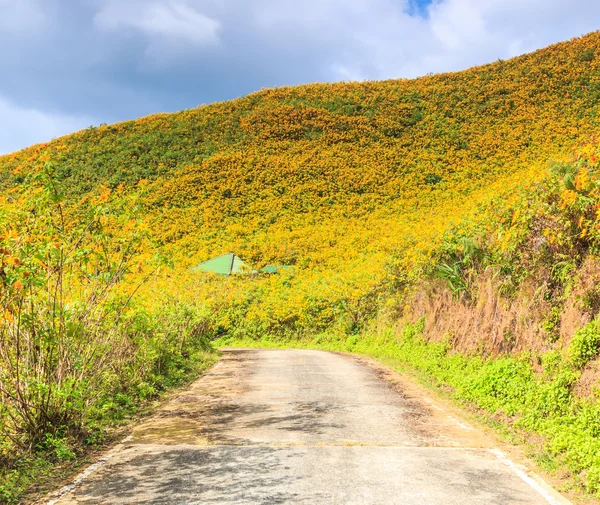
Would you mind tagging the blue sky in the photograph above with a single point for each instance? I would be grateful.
(68, 64)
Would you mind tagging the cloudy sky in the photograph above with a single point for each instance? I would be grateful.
(68, 64)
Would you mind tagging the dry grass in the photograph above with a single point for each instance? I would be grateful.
(488, 324)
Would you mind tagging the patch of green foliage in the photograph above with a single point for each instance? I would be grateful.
(77, 356)
(58, 456)
(585, 345)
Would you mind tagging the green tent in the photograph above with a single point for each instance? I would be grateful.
(273, 269)
(224, 265)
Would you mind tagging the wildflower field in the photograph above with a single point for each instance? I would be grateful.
(428, 207)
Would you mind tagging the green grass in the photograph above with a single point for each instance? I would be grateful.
(524, 402)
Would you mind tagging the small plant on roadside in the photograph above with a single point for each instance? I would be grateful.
(585, 345)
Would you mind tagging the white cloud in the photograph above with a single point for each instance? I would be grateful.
(379, 39)
(17, 16)
(23, 126)
(457, 24)
(165, 23)
(118, 59)
(387, 41)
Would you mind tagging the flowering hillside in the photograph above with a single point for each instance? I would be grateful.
(332, 178)
(356, 186)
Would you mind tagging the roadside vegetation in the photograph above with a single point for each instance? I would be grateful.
(76, 355)
(420, 220)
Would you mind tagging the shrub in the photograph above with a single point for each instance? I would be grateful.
(585, 345)
(587, 55)
(78, 350)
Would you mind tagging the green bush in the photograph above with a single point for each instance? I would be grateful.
(585, 345)
(587, 55)
(79, 352)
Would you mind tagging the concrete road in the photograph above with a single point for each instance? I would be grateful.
(306, 427)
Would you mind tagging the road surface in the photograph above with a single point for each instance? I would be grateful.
(306, 427)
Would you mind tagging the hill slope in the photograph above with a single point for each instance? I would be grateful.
(263, 173)
(335, 178)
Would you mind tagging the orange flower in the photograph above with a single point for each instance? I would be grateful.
(568, 198)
